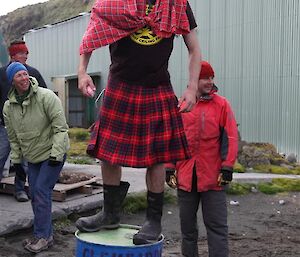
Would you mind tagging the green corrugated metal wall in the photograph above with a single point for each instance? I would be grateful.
(252, 44)
(254, 48)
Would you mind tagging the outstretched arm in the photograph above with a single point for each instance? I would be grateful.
(189, 95)
(85, 82)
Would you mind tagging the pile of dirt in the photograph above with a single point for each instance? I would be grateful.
(73, 177)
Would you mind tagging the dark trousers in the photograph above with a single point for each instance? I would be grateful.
(4, 152)
(19, 183)
(214, 212)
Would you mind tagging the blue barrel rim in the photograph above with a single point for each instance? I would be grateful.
(159, 241)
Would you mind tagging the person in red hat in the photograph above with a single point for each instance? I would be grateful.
(18, 52)
(212, 136)
(139, 123)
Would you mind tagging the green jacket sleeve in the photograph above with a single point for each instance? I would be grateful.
(55, 113)
(15, 154)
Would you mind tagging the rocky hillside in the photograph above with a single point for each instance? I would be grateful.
(15, 24)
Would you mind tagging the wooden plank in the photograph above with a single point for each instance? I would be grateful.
(61, 191)
(87, 189)
(10, 181)
(74, 195)
(66, 187)
(7, 189)
(59, 196)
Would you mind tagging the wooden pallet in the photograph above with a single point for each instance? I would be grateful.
(61, 192)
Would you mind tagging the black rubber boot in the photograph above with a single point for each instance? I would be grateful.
(109, 217)
(151, 230)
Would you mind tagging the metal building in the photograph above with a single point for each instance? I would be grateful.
(252, 44)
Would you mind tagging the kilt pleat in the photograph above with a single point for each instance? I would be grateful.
(138, 127)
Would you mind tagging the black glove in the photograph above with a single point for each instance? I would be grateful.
(225, 176)
(53, 162)
(171, 179)
(20, 172)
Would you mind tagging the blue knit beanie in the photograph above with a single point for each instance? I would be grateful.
(12, 69)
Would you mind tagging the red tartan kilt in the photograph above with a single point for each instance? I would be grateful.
(138, 127)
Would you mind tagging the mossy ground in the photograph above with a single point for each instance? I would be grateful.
(79, 138)
(277, 185)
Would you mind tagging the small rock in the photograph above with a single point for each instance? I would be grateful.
(254, 190)
(292, 158)
(281, 202)
(169, 212)
(283, 155)
(283, 165)
(234, 202)
(5, 173)
(278, 212)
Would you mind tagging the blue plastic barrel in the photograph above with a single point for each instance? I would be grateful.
(115, 243)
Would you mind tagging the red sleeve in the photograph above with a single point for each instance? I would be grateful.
(229, 138)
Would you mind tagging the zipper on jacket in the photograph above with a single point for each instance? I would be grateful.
(203, 121)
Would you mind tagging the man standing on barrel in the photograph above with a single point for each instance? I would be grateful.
(139, 123)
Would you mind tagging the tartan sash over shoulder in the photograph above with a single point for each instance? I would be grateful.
(112, 20)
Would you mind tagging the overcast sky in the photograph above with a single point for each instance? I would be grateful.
(7, 6)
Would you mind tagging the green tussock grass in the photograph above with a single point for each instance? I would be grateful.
(136, 202)
(79, 134)
(61, 223)
(78, 143)
(77, 148)
(80, 160)
(239, 189)
(239, 168)
(277, 169)
(279, 185)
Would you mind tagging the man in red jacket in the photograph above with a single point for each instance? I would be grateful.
(212, 136)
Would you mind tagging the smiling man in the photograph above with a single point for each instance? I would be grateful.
(18, 52)
(212, 137)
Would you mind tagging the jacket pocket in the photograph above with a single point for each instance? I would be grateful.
(28, 141)
(209, 127)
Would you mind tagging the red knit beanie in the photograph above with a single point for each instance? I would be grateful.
(206, 70)
(17, 47)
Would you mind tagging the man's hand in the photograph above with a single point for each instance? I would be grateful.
(86, 84)
(189, 99)
(225, 176)
(171, 179)
(53, 162)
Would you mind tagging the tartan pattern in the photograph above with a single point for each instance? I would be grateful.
(112, 20)
(138, 127)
